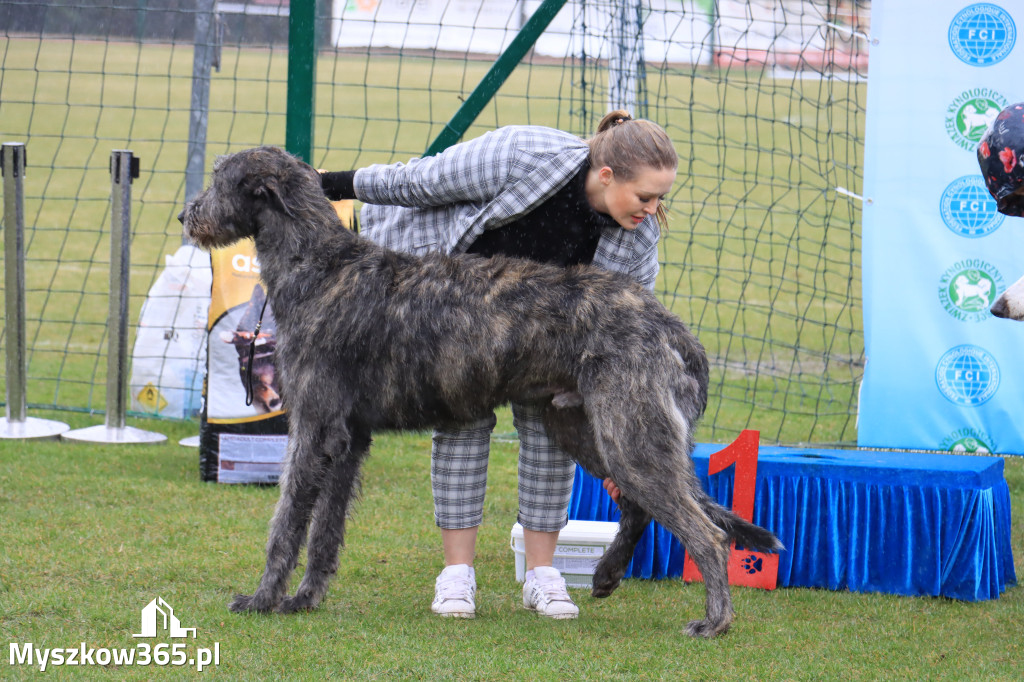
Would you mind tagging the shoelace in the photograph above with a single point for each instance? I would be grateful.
(455, 589)
(552, 591)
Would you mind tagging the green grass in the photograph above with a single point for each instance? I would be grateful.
(91, 533)
(762, 257)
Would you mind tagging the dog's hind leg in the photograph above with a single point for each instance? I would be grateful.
(569, 427)
(327, 527)
(672, 503)
(300, 487)
(647, 455)
(633, 520)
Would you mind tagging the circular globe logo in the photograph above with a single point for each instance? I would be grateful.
(967, 375)
(968, 288)
(982, 34)
(968, 209)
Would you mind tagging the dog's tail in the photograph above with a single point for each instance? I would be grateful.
(743, 532)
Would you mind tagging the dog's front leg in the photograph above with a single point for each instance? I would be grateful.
(327, 528)
(300, 486)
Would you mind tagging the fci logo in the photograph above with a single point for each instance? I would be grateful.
(982, 34)
(968, 209)
(967, 375)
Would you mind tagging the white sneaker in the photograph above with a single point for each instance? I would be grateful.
(453, 592)
(545, 593)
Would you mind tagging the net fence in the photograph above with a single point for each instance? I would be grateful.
(763, 99)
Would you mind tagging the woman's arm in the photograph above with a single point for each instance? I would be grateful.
(473, 171)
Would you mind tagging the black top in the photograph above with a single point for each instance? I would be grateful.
(564, 230)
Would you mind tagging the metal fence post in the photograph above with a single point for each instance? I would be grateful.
(302, 51)
(124, 166)
(627, 88)
(205, 58)
(17, 424)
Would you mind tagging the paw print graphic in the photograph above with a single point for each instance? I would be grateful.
(752, 564)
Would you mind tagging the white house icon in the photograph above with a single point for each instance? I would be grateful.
(159, 610)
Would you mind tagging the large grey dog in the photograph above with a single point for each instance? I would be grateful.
(371, 339)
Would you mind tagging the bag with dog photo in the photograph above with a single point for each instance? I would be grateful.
(243, 427)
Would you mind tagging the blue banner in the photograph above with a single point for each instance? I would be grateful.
(941, 372)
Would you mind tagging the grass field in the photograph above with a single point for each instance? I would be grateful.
(762, 256)
(91, 534)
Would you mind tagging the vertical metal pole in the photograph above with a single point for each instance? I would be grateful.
(203, 59)
(123, 168)
(17, 424)
(14, 277)
(302, 48)
(626, 58)
(120, 257)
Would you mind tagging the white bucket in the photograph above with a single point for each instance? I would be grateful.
(581, 544)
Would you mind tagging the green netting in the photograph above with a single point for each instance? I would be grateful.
(765, 101)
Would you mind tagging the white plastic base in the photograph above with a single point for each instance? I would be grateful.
(31, 428)
(108, 434)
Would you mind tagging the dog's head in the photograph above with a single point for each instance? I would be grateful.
(1010, 304)
(244, 188)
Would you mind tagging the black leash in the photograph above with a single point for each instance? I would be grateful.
(249, 393)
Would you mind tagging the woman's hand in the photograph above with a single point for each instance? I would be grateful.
(612, 489)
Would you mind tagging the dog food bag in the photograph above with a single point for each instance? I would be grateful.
(243, 427)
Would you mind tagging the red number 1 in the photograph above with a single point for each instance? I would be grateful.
(746, 567)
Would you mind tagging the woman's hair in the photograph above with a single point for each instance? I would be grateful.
(628, 145)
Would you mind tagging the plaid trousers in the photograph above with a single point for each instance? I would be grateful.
(458, 474)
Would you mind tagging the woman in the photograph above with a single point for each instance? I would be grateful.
(528, 192)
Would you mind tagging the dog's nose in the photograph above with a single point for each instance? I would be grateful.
(999, 308)
(181, 217)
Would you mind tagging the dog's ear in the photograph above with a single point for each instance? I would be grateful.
(270, 190)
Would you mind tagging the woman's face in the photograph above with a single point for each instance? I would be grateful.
(628, 202)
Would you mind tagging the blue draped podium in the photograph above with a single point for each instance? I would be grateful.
(895, 522)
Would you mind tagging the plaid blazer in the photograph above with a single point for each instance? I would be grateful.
(443, 203)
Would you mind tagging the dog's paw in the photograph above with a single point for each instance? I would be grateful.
(244, 603)
(607, 576)
(297, 603)
(706, 628)
(603, 587)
